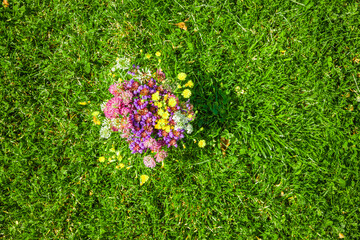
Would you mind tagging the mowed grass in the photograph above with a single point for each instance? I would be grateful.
(277, 80)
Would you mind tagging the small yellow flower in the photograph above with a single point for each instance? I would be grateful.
(202, 143)
(178, 86)
(95, 113)
(158, 54)
(186, 93)
(101, 159)
(155, 96)
(161, 112)
(181, 76)
(112, 149)
(143, 179)
(83, 103)
(159, 60)
(167, 129)
(96, 121)
(166, 115)
(184, 146)
(119, 157)
(120, 80)
(189, 84)
(190, 116)
(128, 167)
(148, 55)
(172, 102)
(121, 165)
(141, 50)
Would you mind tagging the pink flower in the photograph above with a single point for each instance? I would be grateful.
(112, 109)
(156, 147)
(115, 89)
(126, 96)
(149, 142)
(124, 111)
(160, 156)
(149, 162)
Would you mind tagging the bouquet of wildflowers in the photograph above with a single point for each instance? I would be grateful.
(146, 113)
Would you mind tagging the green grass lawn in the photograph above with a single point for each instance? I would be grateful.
(277, 79)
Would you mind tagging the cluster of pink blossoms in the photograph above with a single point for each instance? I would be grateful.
(147, 114)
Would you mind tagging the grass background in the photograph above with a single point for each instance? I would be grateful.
(292, 167)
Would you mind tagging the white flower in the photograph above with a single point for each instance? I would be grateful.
(122, 63)
(103, 106)
(180, 120)
(105, 130)
(189, 129)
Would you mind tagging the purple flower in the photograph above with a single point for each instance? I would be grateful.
(140, 103)
(136, 146)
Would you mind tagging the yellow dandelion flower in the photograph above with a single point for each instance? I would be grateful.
(148, 55)
(96, 121)
(158, 54)
(186, 93)
(202, 143)
(155, 96)
(121, 165)
(172, 102)
(181, 76)
(161, 112)
(96, 113)
(166, 115)
(143, 179)
(189, 84)
(167, 129)
(101, 159)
